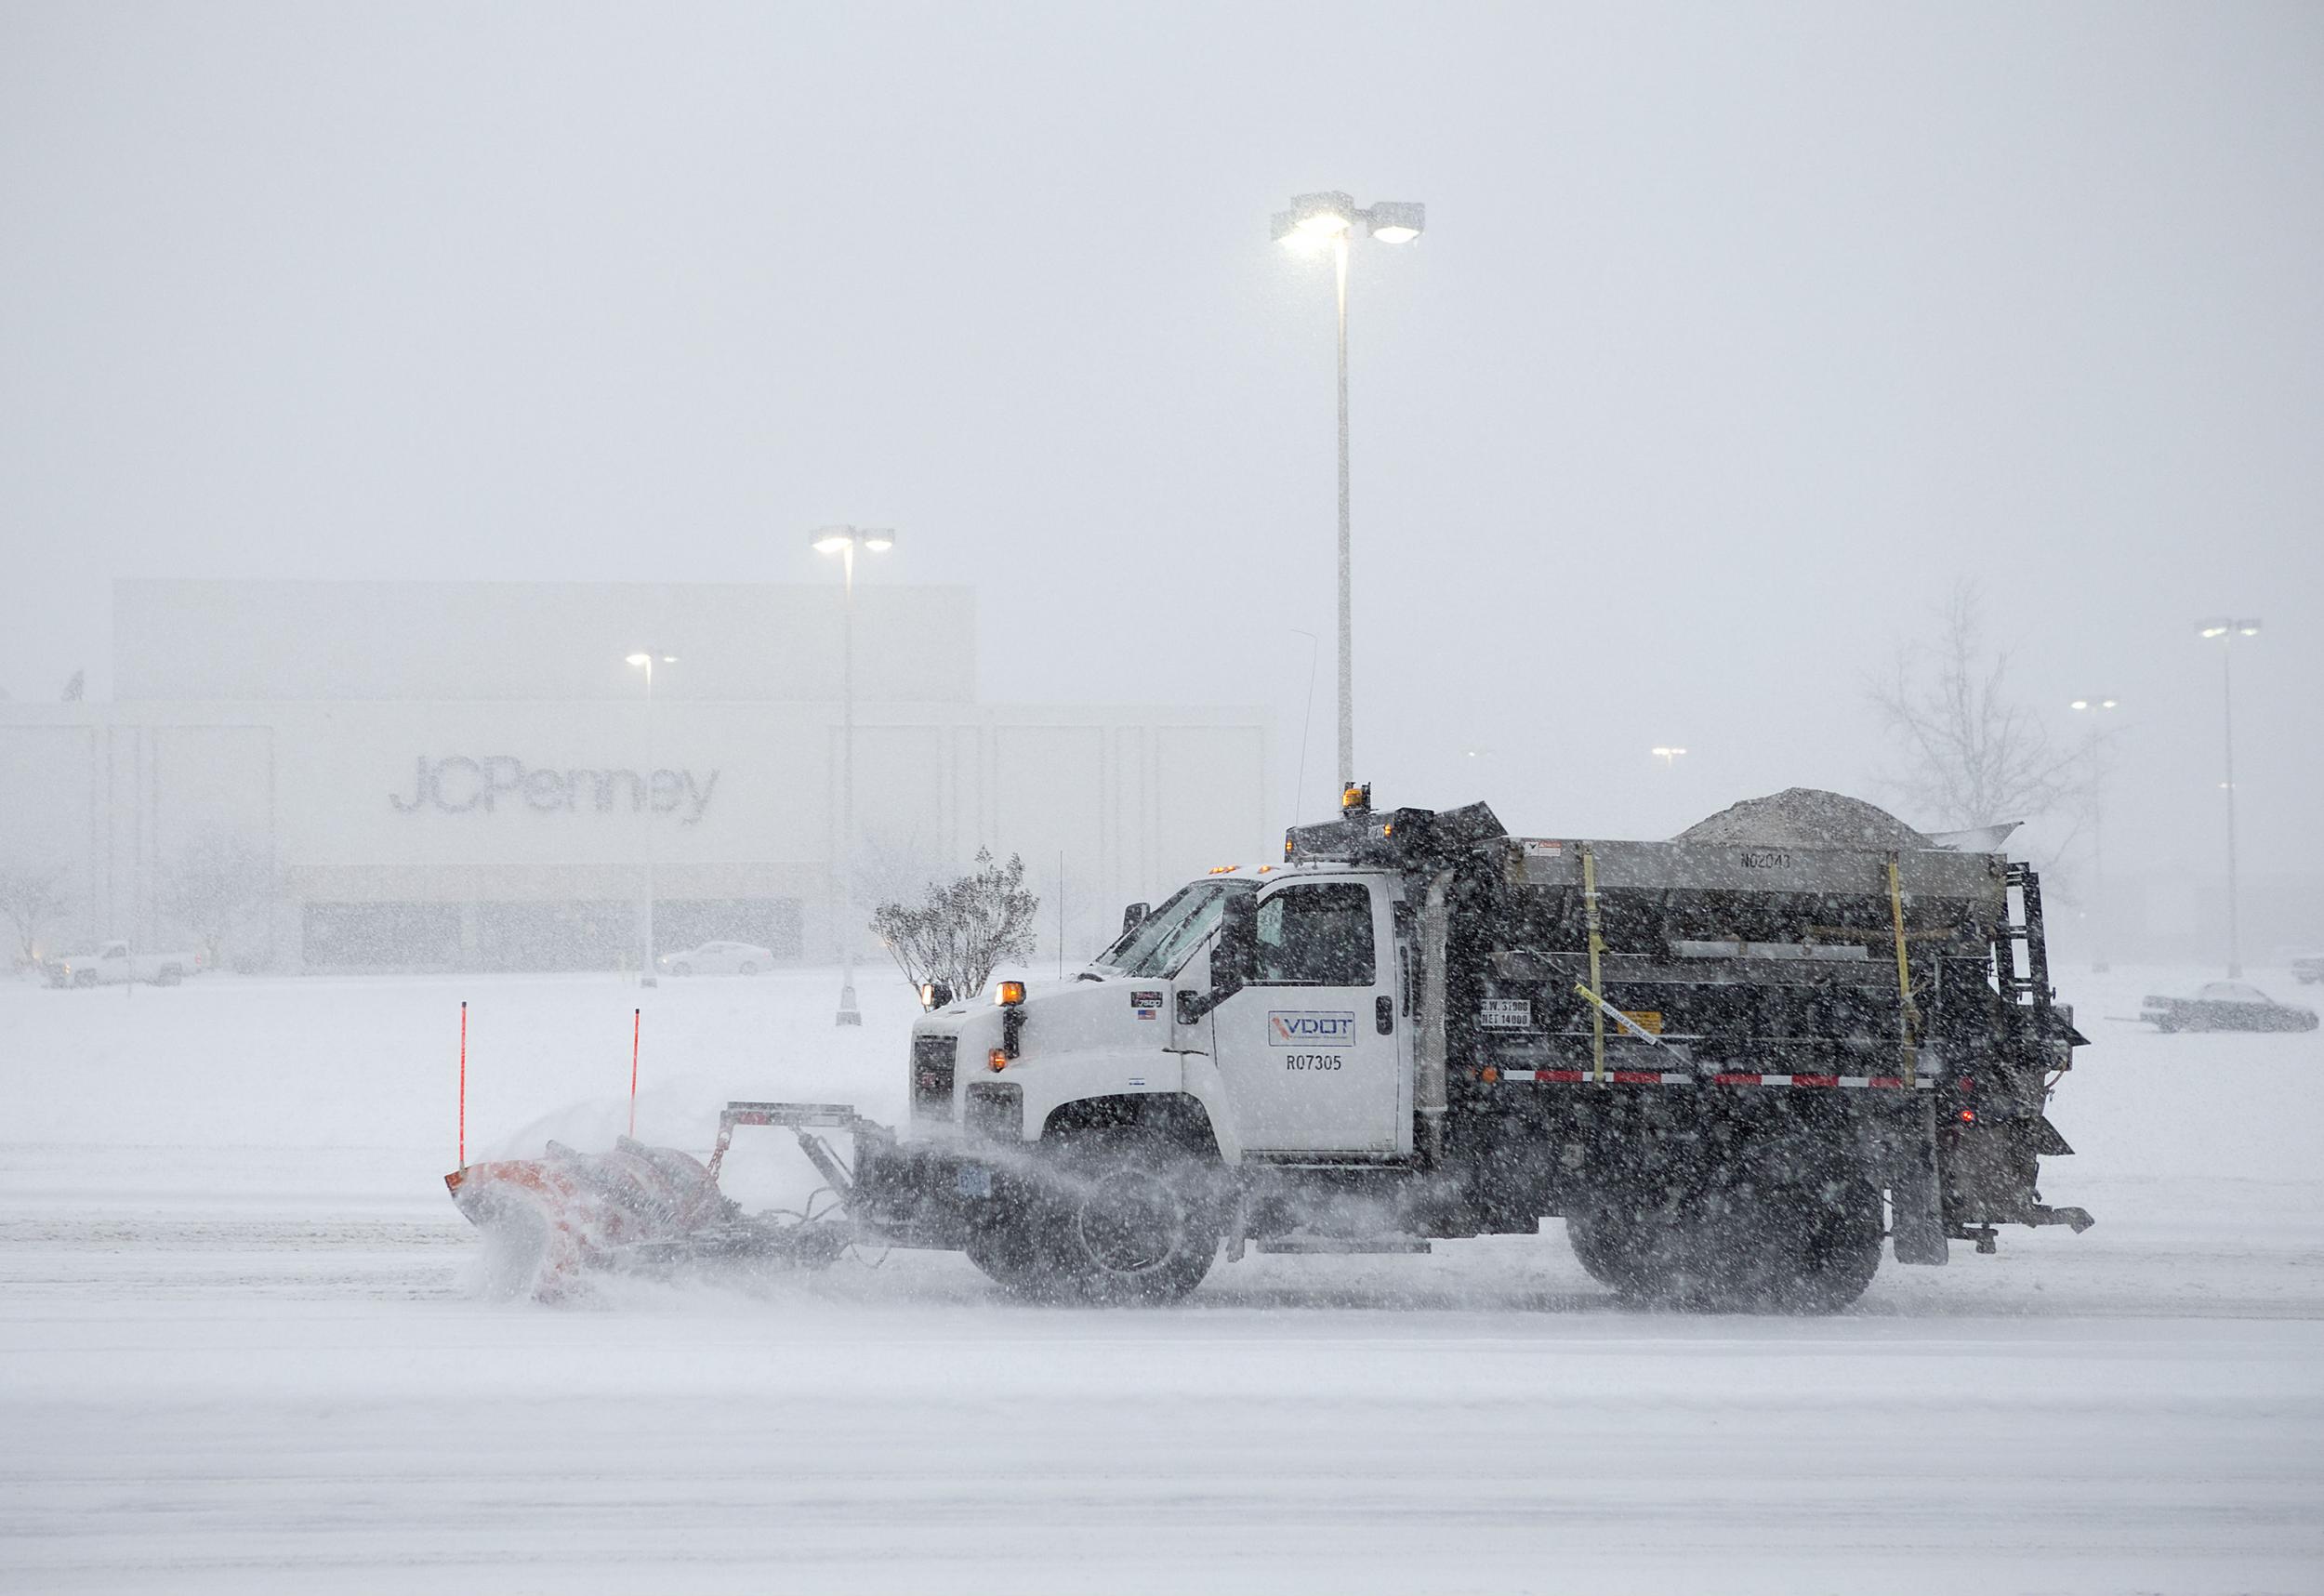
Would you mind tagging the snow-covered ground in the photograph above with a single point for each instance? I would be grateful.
(237, 1350)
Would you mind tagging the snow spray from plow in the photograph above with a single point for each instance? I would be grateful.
(548, 1221)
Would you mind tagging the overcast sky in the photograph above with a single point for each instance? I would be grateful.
(1738, 334)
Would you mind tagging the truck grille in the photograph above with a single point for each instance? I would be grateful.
(996, 1110)
(931, 1077)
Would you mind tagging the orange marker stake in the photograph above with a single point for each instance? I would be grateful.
(634, 1013)
(463, 1083)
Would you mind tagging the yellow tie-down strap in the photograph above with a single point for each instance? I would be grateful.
(1597, 945)
(1621, 1017)
(1908, 1013)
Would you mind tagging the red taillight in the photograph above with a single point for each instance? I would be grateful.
(1968, 1116)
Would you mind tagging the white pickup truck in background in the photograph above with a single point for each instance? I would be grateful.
(113, 964)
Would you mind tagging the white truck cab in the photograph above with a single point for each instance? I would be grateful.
(1310, 1057)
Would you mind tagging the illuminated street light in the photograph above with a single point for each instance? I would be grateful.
(2227, 629)
(1670, 757)
(1315, 221)
(844, 541)
(647, 661)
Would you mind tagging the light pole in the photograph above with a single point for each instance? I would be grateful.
(645, 660)
(844, 541)
(1312, 222)
(2096, 706)
(2226, 632)
(1670, 757)
(1307, 719)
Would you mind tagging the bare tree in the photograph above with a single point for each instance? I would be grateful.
(31, 901)
(1971, 755)
(961, 929)
(219, 882)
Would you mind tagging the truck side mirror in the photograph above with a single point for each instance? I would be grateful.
(1135, 916)
(1234, 962)
(1234, 958)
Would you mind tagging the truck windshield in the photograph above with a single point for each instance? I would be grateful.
(1157, 944)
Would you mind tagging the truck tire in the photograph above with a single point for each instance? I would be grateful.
(1635, 1242)
(1131, 1221)
(1790, 1242)
(1778, 1240)
(1595, 1247)
(1010, 1254)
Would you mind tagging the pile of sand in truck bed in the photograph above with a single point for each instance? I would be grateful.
(1806, 817)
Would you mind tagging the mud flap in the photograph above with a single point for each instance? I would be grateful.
(1906, 1161)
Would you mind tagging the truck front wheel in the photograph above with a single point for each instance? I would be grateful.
(1009, 1253)
(1133, 1220)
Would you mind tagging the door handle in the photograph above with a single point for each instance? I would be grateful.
(1384, 1015)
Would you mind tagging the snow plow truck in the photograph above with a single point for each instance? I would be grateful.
(1740, 1064)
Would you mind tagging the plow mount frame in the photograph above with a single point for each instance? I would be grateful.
(803, 1119)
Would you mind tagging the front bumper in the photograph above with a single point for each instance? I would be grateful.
(938, 1194)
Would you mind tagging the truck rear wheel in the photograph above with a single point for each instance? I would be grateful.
(1596, 1244)
(1780, 1240)
(1792, 1243)
(1133, 1220)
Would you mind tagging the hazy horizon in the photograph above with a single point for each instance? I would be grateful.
(1735, 340)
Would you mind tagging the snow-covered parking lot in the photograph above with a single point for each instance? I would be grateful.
(237, 1350)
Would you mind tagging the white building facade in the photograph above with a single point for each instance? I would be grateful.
(467, 776)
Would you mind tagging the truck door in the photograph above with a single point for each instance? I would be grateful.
(1314, 1053)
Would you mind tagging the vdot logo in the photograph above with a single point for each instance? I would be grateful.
(1309, 1028)
(463, 782)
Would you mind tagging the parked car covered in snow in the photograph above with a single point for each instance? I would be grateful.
(2227, 1006)
(718, 958)
(113, 963)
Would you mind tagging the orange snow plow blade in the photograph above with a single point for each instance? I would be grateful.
(546, 1221)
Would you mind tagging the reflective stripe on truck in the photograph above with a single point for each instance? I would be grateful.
(1681, 1079)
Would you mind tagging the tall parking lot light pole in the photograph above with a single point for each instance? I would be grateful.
(645, 660)
(2097, 706)
(844, 541)
(1315, 222)
(2226, 630)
